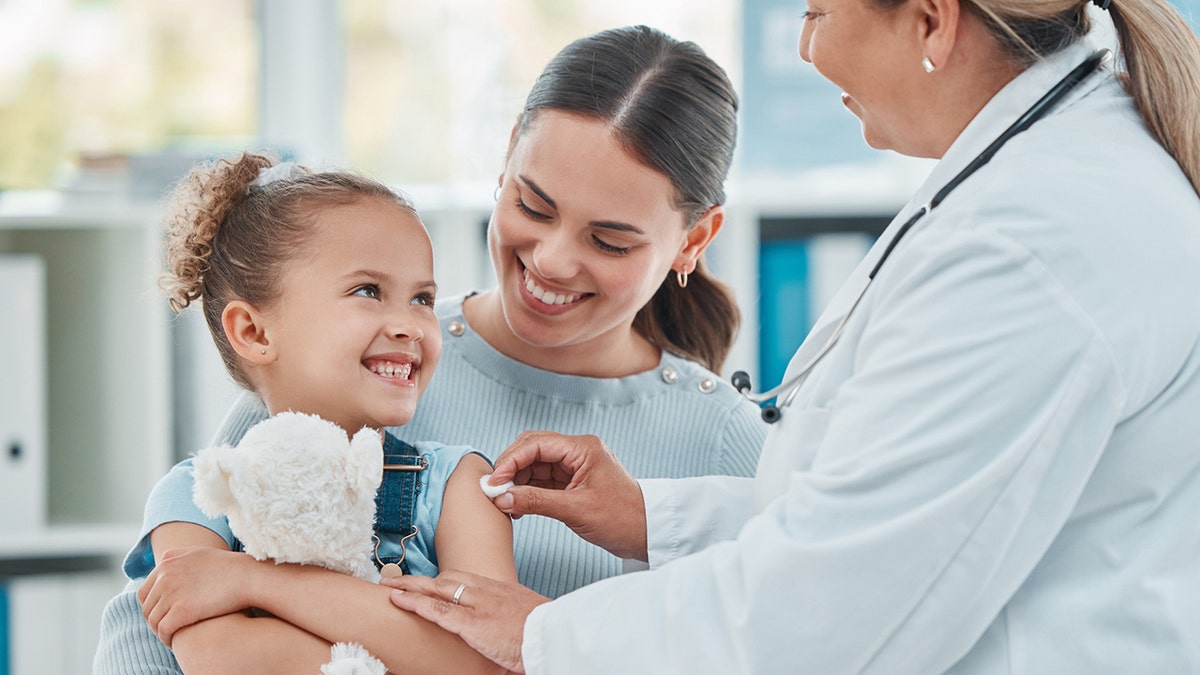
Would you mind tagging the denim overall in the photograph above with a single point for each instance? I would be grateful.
(396, 500)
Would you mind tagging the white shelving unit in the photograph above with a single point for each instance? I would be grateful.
(108, 390)
(108, 420)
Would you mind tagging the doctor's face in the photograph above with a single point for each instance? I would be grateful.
(872, 54)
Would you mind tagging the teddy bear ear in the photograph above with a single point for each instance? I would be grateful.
(365, 459)
(213, 469)
(367, 437)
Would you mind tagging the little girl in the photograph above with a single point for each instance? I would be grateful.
(318, 291)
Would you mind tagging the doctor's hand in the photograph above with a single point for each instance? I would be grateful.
(577, 480)
(488, 615)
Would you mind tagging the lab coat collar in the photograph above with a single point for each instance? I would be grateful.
(1005, 107)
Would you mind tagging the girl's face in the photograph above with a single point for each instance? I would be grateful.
(581, 237)
(874, 56)
(353, 337)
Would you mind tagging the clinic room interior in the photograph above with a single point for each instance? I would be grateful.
(106, 104)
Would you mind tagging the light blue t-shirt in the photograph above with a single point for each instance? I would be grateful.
(676, 420)
(171, 501)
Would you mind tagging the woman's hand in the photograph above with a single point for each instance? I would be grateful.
(189, 585)
(489, 615)
(578, 480)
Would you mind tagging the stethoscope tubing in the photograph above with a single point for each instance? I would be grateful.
(791, 385)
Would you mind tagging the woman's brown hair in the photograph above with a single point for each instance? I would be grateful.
(675, 110)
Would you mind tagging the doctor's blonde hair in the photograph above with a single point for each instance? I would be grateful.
(1159, 52)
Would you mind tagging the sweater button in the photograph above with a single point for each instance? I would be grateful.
(669, 375)
(456, 328)
(708, 385)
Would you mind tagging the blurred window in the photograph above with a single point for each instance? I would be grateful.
(433, 88)
(92, 82)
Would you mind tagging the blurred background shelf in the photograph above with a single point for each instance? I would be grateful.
(66, 542)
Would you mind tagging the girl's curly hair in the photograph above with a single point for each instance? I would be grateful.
(228, 239)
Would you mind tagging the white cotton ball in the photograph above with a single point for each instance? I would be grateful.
(493, 491)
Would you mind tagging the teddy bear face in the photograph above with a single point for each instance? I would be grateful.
(296, 489)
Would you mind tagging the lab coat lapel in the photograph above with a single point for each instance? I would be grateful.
(791, 441)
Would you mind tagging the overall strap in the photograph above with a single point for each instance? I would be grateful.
(396, 500)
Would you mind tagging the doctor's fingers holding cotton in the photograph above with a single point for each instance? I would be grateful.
(579, 481)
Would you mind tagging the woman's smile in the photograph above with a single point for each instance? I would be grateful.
(546, 299)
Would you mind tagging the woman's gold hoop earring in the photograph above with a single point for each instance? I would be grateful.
(927, 64)
(496, 194)
(681, 278)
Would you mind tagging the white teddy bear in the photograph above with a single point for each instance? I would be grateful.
(296, 490)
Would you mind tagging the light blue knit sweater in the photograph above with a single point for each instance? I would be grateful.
(675, 421)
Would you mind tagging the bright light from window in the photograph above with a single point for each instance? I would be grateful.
(121, 77)
(433, 88)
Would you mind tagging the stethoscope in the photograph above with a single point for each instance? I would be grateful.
(741, 380)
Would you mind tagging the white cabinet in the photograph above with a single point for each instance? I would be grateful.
(102, 373)
(22, 394)
(106, 376)
(107, 357)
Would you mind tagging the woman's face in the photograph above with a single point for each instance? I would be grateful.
(874, 56)
(582, 235)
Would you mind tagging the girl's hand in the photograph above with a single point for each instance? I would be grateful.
(190, 585)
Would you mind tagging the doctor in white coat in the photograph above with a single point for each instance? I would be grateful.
(995, 468)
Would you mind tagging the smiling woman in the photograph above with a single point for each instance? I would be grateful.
(604, 319)
(580, 243)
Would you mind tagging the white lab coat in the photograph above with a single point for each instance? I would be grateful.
(997, 467)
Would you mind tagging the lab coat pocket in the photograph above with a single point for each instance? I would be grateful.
(791, 447)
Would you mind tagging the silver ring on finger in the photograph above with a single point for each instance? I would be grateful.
(458, 593)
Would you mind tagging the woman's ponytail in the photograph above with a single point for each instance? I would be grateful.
(698, 322)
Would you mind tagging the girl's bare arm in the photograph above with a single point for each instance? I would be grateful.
(472, 535)
(235, 642)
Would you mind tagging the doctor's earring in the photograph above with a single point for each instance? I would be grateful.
(927, 64)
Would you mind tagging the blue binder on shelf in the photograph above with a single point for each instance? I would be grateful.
(5, 631)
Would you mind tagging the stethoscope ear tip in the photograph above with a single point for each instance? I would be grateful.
(771, 414)
(741, 381)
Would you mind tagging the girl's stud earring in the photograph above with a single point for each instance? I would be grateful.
(927, 64)
(263, 352)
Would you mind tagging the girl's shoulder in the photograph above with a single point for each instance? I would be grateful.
(443, 459)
